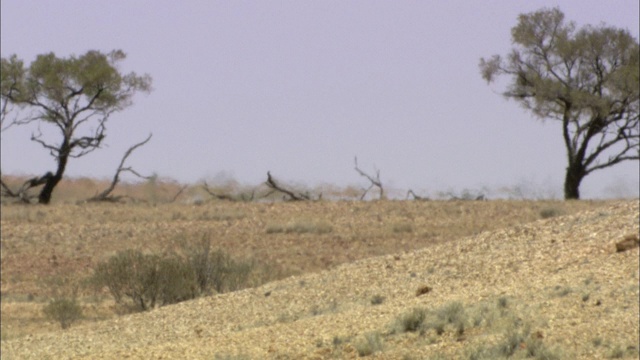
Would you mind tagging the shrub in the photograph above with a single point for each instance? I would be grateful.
(369, 344)
(377, 299)
(412, 321)
(216, 270)
(450, 314)
(402, 228)
(547, 213)
(145, 279)
(148, 280)
(617, 352)
(176, 281)
(64, 311)
(301, 227)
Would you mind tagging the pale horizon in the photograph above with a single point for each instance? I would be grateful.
(301, 88)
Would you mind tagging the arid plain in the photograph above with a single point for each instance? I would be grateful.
(480, 279)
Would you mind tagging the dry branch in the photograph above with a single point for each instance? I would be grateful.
(227, 197)
(106, 194)
(183, 188)
(22, 193)
(416, 197)
(271, 183)
(374, 181)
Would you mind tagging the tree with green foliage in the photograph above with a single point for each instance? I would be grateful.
(588, 79)
(75, 96)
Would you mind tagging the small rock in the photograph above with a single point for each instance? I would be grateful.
(629, 242)
(423, 290)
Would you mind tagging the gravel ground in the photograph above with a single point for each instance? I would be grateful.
(562, 276)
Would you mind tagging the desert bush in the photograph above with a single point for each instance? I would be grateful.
(63, 310)
(411, 321)
(176, 281)
(452, 314)
(550, 212)
(146, 280)
(369, 344)
(216, 270)
(402, 228)
(617, 352)
(301, 227)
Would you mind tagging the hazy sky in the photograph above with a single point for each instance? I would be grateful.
(301, 87)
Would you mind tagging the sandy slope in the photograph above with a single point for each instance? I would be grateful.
(561, 275)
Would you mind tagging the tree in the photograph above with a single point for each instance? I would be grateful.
(587, 79)
(74, 95)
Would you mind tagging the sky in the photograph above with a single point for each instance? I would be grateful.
(300, 88)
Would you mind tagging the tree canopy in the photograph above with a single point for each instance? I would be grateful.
(588, 79)
(75, 95)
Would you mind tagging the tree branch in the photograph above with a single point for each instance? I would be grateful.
(228, 197)
(271, 183)
(105, 195)
(374, 181)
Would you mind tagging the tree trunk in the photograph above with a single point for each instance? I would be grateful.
(47, 190)
(45, 194)
(573, 177)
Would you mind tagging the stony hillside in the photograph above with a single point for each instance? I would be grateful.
(554, 288)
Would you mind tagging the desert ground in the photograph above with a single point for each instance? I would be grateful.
(347, 279)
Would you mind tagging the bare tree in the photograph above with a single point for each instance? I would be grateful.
(416, 197)
(375, 181)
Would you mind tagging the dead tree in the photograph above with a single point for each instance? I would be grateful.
(416, 197)
(271, 183)
(106, 194)
(22, 194)
(227, 197)
(374, 181)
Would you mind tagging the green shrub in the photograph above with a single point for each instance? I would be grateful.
(64, 311)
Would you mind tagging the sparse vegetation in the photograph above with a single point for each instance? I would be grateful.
(219, 238)
(301, 227)
(402, 228)
(369, 344)
(63, 310)
(561, 291)
(549, 212)
(149, 280)
(411, 321)
(145, 279)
